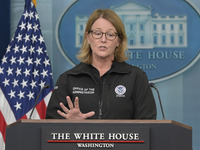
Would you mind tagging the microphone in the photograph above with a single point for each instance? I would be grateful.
(44, 87)
(153, 86)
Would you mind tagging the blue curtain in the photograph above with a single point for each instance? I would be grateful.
(4, 26)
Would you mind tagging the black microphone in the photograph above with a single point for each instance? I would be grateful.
(45, 87)
(153, 86)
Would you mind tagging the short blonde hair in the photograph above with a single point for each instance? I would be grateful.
(85, 53)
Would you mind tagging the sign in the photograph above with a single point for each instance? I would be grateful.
(162, 35)
(94, 137)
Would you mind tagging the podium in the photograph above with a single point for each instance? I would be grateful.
(53, 134)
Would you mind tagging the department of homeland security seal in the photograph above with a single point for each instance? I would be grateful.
(120, 90)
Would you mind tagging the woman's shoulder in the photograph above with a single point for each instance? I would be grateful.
(79, 68)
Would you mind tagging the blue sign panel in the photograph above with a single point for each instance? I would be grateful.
(163, 36)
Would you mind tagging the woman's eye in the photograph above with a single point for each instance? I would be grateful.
(97, 33)
(110, 34)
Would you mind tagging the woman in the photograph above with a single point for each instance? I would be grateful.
(103, 85)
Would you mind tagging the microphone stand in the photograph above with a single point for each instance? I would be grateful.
(45, 87)
(153, 86)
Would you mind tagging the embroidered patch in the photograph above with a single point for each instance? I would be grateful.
(80, 90)
(120, 90)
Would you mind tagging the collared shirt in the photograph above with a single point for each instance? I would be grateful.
(121, 93)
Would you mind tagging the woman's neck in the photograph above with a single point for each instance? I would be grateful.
(102, 66)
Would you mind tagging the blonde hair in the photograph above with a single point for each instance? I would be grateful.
(85, 53)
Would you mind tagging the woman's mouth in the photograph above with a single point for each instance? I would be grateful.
(102, 47)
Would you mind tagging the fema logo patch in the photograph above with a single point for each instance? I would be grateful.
(120, 90)
(163, 35)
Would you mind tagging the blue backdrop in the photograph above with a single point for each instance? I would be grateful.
(180, 94)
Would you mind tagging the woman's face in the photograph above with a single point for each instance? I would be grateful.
(103, 48)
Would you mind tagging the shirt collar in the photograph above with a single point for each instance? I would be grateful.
(117, 67)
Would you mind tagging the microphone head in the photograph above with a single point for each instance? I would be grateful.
(152, 84)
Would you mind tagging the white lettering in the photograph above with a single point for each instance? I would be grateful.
(95, 145)
(53, 135)
(136, 136)
(89, 136)
(166, 55)
(60, 136)
(78, 135)
(123, 136)
(79, 90)
(146, 66)
(135, 55)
